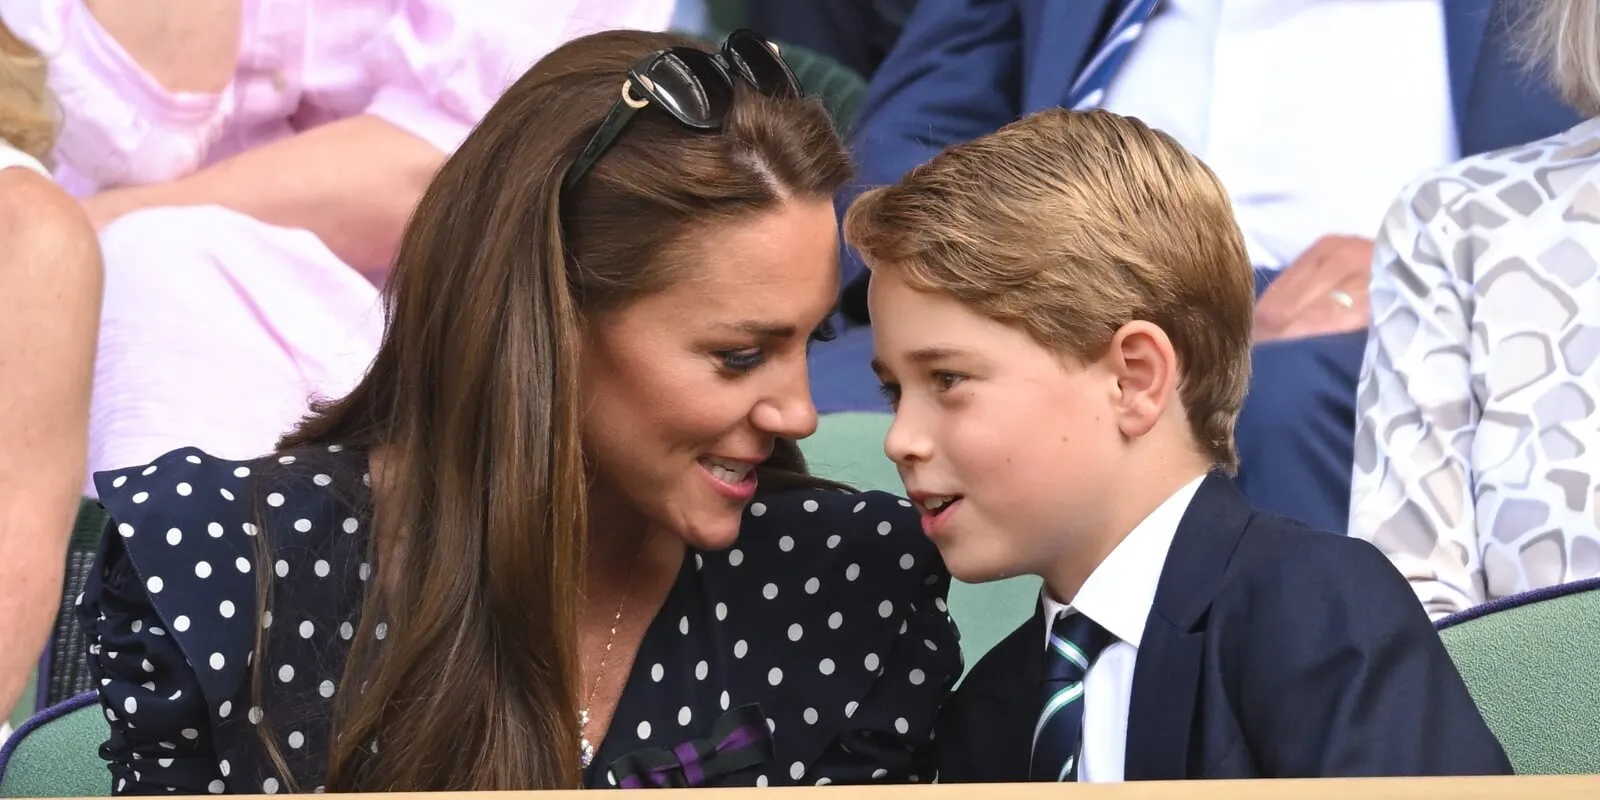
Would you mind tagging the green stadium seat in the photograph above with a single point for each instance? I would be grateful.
(57, 753)
(1532, 663)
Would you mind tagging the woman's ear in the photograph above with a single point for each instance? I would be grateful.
(1142, 360)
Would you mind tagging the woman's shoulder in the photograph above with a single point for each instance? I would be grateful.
(188, 536)
(194, 524)
(184, 505)
(802, 543)
(887, 516)
(188, 487)
(870, 528)
(1486, 189)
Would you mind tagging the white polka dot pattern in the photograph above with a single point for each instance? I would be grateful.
(849, 680)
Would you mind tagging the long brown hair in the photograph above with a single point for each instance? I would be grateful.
(474, 399)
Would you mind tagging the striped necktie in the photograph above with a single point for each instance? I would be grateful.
(1075, 642)
(1089, 91)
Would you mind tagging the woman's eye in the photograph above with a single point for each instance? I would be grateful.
(742, 360)
(890, 392)
(947, 380)
(823, 333)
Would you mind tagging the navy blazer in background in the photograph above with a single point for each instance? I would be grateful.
(1272, 650)
(964, 68)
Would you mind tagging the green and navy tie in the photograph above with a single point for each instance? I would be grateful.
(1075, 642)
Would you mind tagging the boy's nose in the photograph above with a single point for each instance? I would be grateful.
(905, 443)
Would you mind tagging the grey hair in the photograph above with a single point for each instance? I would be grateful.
(1562, 38)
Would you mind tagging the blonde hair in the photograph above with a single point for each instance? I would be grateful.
(1562, 37)
(27, 111)
(1068, 225)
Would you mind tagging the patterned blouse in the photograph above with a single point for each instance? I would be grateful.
(817, 649)
(1477, 466)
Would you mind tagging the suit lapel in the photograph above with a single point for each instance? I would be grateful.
(1166, 676)
(1063, 37)
(1464, 24)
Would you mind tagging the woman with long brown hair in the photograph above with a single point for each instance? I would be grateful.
(50, 282)
(560, 535)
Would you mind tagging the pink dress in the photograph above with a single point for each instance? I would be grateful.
(217, 328)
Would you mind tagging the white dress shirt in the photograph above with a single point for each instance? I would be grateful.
(1118, 596)
(1313, 113)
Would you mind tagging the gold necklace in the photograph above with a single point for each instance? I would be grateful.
(585, 747)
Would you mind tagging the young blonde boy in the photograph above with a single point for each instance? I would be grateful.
(1061, 313)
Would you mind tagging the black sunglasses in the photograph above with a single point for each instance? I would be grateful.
(693, 86)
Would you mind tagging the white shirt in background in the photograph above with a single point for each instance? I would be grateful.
(1314, 113)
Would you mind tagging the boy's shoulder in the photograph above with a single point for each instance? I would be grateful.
(1278, 555)
(1287, 582)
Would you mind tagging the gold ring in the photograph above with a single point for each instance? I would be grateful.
(627, 95)
(1343, 298)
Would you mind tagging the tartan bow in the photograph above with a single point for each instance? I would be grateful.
(739, 739)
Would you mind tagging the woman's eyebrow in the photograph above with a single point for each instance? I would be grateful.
(763, 328)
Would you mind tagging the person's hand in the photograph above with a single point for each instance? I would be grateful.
(1323, 292)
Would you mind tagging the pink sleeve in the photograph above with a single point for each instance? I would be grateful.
(439, 64)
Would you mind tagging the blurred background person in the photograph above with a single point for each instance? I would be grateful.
(1477, 458)
(1282, 98)
(250, 165)
(49, 302)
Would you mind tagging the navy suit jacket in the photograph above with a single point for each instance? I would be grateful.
(1272, 650)
(964, 68)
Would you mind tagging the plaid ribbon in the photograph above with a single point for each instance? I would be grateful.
(739, 739)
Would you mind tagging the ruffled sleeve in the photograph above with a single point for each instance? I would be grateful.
(166, 615)
(436, 66)
(148, 690)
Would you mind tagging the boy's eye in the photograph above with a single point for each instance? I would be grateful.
(742, 360)
(947, 380)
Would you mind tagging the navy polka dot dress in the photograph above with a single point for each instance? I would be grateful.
(815, 650)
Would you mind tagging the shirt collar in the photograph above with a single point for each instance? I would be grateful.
(1120, 592)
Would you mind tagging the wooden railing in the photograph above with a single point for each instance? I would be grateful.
(1532, 787)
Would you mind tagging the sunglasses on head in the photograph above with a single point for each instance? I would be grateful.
(693, 86)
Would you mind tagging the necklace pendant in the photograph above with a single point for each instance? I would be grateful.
(585, 753)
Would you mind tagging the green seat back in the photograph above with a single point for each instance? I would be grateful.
(24, 707)
(68, 674)
(841, 88)
(58, 754)
(726, 14)
(849, 447)
(1532, 664)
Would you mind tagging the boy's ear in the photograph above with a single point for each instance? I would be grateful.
(1146, 368)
